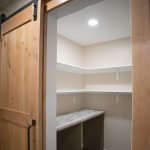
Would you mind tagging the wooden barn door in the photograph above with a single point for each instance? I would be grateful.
(20, 81)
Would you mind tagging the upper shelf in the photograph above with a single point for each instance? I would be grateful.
(82, 70)
(62, 92)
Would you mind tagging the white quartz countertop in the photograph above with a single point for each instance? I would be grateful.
(68, 120)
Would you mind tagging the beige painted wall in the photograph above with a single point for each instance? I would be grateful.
(117, 114)
(113, 53)
(69, 103)
(104, 81)
(69, 52)
(107, 81)
(118, 117)
(69, 81)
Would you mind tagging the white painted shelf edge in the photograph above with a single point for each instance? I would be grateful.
(83, 70)
(62, 92)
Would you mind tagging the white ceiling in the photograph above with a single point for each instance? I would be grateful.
(113, 17)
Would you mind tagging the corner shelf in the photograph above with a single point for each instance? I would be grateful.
(83, 70)
(63, 92)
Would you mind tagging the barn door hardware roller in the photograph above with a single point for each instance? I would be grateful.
(2, 19)
(35, 5)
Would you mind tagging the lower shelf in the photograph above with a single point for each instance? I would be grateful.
(82, 130)
(68, 120)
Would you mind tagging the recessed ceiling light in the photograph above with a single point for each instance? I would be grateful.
(93, 22)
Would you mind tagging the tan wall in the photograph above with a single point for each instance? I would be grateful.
(69, 52)
(107, 81)
(112, 53)
(117, 115)
(117, 132)
(69, 103)
(69, 81)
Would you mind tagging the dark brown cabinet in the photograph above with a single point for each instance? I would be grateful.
(84, 135)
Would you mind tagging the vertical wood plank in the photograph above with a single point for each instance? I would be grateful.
(53, 4)
(141, 74)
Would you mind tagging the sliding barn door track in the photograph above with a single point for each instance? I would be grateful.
(3, 17)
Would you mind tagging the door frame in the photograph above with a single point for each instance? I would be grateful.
(136, 6)
(49, 5)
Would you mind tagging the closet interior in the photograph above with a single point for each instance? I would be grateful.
(94, 78)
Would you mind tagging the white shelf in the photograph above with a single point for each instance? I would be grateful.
(82, 70)
(109, 91)
(62, 92)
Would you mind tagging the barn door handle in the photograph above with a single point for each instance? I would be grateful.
(28, 132)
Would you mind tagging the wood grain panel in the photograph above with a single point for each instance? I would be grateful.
(12, 137)
(53, 4)
(15, 117)
(141, 74)
(19, 76)
(21, 80)
(18, 20)
(18, 64)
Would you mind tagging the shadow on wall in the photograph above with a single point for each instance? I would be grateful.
(118, 117)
